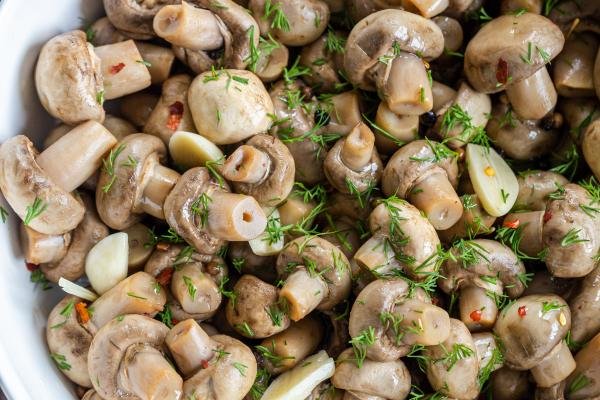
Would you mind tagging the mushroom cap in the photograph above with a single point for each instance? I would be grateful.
(277, 185)
(506, 38)
(374, 36)
(91, 395)
(585, 306)
(229, 105)
(259, 266)
(198, 61)
(330, 263)
(493, 259)
(588, 366)
(135, 17)
(107, 354)
(68, 79)
(67, 337)
(411, 163)
(528, 339)
(22, 181)
(510, 384)
(117, 207)
(179, 214)
(253, 306)
(591, 143)
(206, 299)
(383, 379)
(323, 62)
(535, 187)
(565, 216)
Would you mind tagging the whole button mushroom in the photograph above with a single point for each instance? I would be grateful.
(474, 221)
(535, 187)
(590, 145)
(389, 380)
(513, 6)
(229, 105)
(481, 270)
(425, 173)
(324, 57)
(353, 165)
(584, 381)
(510, 384)
(271, 62)
(585, 306)
(574, 67)
(39, 248)
(488, 353)
(532, 330)
(91, 395)
(38, 186)
(380, 55)
(263, 168)
(134, 18)
(217, 367)
(510, 52)
(397, 317)
(316, 275)
(127, 358)
(344, 112)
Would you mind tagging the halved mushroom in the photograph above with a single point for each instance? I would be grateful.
(584, 306)
(398, 317)
(574, 67)
(324, 57)
(583, 383)
(229, 105)
(532, 330)
(316, 275)
(590, 145)
(388, 380)
(510, 384)
(535, 187)
(37, 186)
(262, 168)
(134, 17)
(482, 270)
(68, 341)
(474, 221)
(425, 173)
(127, 358)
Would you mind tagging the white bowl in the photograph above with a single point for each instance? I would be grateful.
(26, 371)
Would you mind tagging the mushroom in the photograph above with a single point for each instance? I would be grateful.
(389, 380)
(69, 341)
(255, 310)
(316, 275)
(38, 186)
(510, 384)
(403, 240)
(535, 187)
(91, 395)
(352, 165)
(262, 168)
(481, 270)
(425, 173)
(452, 366)
(380, 55)
(584, 306)
(583, 383)
(543, 282)
(337, 336)
(474, 221)
(140, 238)
(589, 145)
(554, 392)
(344, 111)
(510, 52)
(127, 358)
(197, 61)
(597, 74)
(574, 67)
(342, 232)
(398, 316)
(133, 17)
(488, 352)
(103, 32)
(190, 346)
(40, 248)
(324, 57)
(89, 232)
(286, 349)
(205, 214)
(172, 112)
(244, 260)
(565, 234)
(69, 80)
(532, 330)
(158, 60)
(293, 23)
(326, 391)
(513, 6)
(137, 107)
(395, 130)
(229, 105)
(459, 8)
(134, 181)
(117, 126)
(578, 114)
(452, 31)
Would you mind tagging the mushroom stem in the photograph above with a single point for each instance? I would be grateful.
(427, 8)
(294, 210)
(304, 292)
(160, 183)
(189, 345)
(435, 196)
(39, 248)
(76, 156)
(187, 26)
(533, 97)
(374, 256)
(404, 128)
(148, 375)
(477, 309)
(235, 217)
(532, 224)
(247, 164)
(555, 367)
(357, 149)
(422, 323)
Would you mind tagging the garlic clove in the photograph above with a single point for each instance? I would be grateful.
(107, 262)
(190, 150)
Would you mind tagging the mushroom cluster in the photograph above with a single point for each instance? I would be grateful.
(318, 200)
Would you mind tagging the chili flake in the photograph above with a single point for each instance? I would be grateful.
(115, 69)
(82, 312)
(175, 115)
(204, 364)
(502, 71)
(522, 311)
(31, 267)
(164, 278)
(547, 216)
(475, 315)
(511, 224)
(162, 246)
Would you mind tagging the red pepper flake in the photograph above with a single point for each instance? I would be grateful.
(164, 278)
(115, 69)
(511, 224)
(435, 301)
(547, 216)
(174, 321)
(204, 364)
(502, 71)
(476, 315)
(175, 115)
(522, 311)
(82, 312)
(31, 267)
(162, 246)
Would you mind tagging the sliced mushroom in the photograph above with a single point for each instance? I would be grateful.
(510, 384)
(134, 17)
(583, 383)
(574, 67)
(535, 187)
(590, 145)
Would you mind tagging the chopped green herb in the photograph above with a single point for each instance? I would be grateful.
(3, 214)
(240, 367)
(108, 166)
(192, 290)
(572, 237)
(100, 97)
(570, 163)
(459, 352)
(201, 208)
(334, 43)
(38, 277)
(136, 296)
(295, 71)
(245, 329)
(165, 316)
(361, 343)
(61, 361)
(278, 18)
(269, 355)
(144, 62)
(580, 382)
(34, 210)
(550, 306)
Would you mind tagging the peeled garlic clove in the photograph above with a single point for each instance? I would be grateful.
(493, 180)
(299, 382)
(190, 150)
(106, 263)
(272, 240)
(72, 288)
